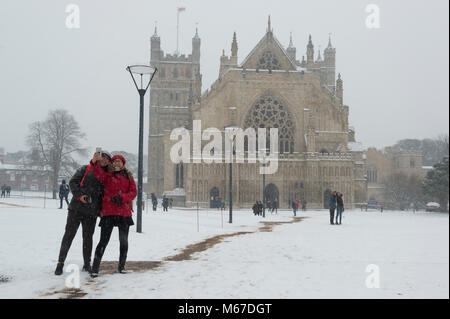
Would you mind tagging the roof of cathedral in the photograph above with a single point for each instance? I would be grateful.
(269, 35)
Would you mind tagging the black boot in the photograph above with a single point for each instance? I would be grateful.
(59, 269)
(87, 268)
(121, 269)
(94, 270)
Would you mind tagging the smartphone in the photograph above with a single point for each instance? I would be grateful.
(98, 150)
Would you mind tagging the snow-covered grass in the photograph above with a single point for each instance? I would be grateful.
(306, 259)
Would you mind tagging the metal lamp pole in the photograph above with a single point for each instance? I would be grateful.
(231, 176)
(141, 70)
(264, 184)
(231, 182)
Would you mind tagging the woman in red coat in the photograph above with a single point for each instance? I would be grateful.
(117, 205)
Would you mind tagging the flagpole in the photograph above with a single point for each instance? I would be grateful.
(178, 27)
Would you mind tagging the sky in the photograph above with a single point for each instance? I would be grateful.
(396, 77)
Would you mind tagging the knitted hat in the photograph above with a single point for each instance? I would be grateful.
(107, 154)
(119, 157)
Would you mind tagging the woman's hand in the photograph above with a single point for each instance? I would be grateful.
(95, 158)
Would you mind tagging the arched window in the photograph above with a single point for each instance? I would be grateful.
(179, 176)
(372, 174)
(270, 112)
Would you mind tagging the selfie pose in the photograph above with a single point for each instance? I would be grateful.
(120, 190)
(84, 208)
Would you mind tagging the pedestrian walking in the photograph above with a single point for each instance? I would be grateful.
(165, 203)
(275, 206)
(304, 205)
(294, 207)
(154, 202)
(3, 191)
(260, 208)
(64, 191)
(255, 208)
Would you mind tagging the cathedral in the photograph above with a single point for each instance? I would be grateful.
(270, 88)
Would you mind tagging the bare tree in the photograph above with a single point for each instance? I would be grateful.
(443, 141)
(54, 142)
(402, 190)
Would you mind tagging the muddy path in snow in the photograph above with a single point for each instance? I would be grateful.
(187, 253)
(15, 205)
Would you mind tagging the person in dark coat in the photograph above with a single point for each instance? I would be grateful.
(84, 208)
(117, 206)
(275, 206)
(260, 208)
(3, 190)
(294, 207)
(154, 202)
(165, 203)
(64, 191)
(8, 191)
(339, 208)
(332, 206)
(255, 208)
(304, 205)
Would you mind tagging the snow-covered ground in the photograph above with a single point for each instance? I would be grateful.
(307, 258)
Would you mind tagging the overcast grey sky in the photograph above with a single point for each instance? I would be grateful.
(395, 78)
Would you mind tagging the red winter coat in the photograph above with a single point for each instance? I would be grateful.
(116, 184)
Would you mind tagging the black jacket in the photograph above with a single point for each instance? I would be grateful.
(64, 190)
(92, 187)
(340, 201)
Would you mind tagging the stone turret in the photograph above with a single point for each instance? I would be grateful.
(196, 42)
(340, 90)
(291, 50)
(310, 52)
(330, 66)
(227, 62)
(155, 45)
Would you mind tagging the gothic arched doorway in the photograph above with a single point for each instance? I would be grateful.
(271, 194)
(214, 199)
(326, 199)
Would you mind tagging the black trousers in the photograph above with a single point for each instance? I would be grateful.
(74, 219)
(62, 198)
(332, 215)
(105, 235)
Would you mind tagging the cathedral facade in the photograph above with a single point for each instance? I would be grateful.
(317, 152)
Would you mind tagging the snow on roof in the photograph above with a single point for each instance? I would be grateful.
(10, 166)
(355, 147)
(427, 167)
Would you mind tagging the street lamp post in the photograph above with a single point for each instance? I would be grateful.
(264, 184)
(148, 71)
(231, 182)
(232, 150)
